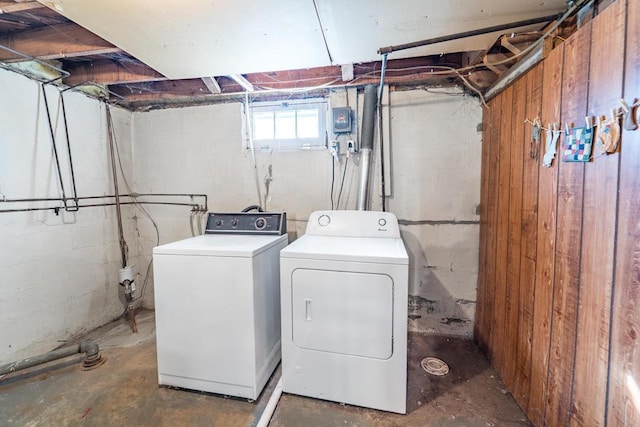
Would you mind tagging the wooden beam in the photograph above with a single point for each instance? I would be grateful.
(110, 72)
(162, 89)
(13, 25)
(212, 84)
(54, 42)
(242, 81)
(399, 72)
(13, 7)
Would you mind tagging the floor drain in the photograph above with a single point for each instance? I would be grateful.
(434, 366)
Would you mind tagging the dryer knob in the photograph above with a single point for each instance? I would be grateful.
(324, 220)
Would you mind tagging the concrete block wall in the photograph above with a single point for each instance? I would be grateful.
(435, 187)
(58, 273)
(435, 168)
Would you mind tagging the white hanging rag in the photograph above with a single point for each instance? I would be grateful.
(550, 147)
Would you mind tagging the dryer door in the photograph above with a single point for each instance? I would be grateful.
(342, 312)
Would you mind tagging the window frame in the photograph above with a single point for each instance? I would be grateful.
(321, 105)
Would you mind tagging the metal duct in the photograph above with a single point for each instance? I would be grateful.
(366, 144)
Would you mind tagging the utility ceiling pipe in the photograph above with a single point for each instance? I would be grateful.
(92, 359)
(366, 144)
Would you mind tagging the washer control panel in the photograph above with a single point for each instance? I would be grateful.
(270, 223)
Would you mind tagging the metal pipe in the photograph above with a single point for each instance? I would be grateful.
(471, 33)
(363, 187)
(90, 348)
(33, 58)
(194, 206)
(532, 55)
(366, 144)
(53, 143)
(380, 129)
(66, 132)
(515, 71)
(114, 171)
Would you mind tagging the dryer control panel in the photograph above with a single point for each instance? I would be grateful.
(268, 223)
(353, 224)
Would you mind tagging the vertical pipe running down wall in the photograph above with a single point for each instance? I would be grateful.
(366, 144)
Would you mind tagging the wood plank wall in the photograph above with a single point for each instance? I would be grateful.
(559, 282)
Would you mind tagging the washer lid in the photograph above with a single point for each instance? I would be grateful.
(358, 249)
(220, 245)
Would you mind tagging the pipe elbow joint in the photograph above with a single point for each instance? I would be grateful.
(92, 359)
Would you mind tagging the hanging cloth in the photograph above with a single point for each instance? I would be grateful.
(578, 143)
(551, 142)
(608, 134)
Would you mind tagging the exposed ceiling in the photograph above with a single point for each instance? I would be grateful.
(149, 52)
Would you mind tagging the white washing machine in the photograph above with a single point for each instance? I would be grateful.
(217, 299)
(344, 287)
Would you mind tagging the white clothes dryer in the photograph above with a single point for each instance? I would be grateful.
(344, 287)
(217, 302)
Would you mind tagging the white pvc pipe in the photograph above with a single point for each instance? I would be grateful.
(271, 405)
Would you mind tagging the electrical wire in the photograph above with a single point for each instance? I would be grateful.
(136, 204)
(333, 178)
(247, 115)
(344, 174)
(110, 140)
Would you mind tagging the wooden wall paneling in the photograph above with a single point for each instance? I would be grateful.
(529, 243)
(479, 326)
(492, 219)
(545, 260)
(624, 372)
(568, 235)
(502, 232)
(515, 232)
(599, 223)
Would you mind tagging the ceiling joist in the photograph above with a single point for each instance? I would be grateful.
(29, 30)
(54, 42)
(109, 72)
(13, 7)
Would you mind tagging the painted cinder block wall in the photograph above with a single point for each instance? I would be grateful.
(435, 151)
(58, 273)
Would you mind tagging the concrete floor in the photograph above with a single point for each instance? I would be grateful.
(124, 391)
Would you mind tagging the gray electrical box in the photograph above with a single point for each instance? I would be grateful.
(341, 120)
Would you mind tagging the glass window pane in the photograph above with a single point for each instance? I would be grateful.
(285, 124)
(263, 125)
(308, 123)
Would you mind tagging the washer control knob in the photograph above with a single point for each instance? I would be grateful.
(260, 223)
(324, 220)
(382, 222)
(218, 222)
(234, 222)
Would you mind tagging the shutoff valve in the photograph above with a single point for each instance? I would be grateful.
(127, 276)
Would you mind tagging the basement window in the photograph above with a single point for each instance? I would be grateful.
(288, 125)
